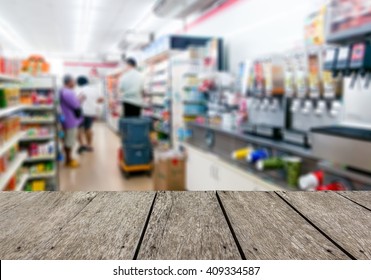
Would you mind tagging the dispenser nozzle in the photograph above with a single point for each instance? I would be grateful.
(353, 81)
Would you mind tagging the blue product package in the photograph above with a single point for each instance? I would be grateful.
(257, 155)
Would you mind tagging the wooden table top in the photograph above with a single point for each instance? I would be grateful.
(185, 225)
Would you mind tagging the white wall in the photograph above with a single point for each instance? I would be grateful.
(254, 28)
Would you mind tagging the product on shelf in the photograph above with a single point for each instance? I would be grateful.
(335, 186)
(36, 130)
(34, 97)
(271, 163)
(311, 181)
(257, 155)
(41, 150)
(41, 168)
(10, 67)
(9, 128)
(9, 97)
(7, 159)
(36, 186)
(293, 170)
(37, 116)
(241, 154)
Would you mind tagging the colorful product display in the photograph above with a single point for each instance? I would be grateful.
(36, 186)
(32, 97)
(9, 128)
(37, 130)
(41, 168)
(9, 97)
(37, 116)
(10, 67)
(41, 150)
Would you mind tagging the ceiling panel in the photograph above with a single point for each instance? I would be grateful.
(63, 25)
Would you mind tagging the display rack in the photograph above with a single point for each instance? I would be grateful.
(40, 122)
(112, 104)
(8, 79)
(11, 158)
(157, 98)
(161, 70)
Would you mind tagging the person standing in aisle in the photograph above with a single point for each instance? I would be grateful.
(91, 98)
(131, 88)
(72, 113)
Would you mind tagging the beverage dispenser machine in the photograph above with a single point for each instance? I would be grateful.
(317, 102)
(349, 143)
(266, 105)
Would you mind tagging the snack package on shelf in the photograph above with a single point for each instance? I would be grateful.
(9, 97)
(9, 128)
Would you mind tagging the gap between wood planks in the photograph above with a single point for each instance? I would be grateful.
(348, 198)
(143, 233)
(316, 227)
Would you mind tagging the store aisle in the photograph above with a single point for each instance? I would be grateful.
(99, 170)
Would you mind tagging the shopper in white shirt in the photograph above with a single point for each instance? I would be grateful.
(131, 87)
(91, 98)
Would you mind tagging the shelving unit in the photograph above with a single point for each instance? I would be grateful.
(12, 169)
(45, 89)
(9, 111)
(6, 82)
(9, 144)
(22, 183)
(37, 138)
(8, 79)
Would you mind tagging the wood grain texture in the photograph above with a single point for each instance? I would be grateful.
(345, 222)
(267, 228)
(108, 228)
(362, 198)
(29, 220)
(188, 225)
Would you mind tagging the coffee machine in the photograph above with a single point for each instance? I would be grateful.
(266, 104)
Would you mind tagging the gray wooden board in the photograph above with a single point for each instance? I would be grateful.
(345, 222)
(108, 228)
(362, 198)
(29, 220)
(187, 226)
(267, 228)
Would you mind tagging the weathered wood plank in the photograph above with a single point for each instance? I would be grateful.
(28, 220)
(267, 228)
(188, 225)
(108, 228)
(345, 222)
(362, 198)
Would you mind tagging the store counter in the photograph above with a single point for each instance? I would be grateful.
(185, 225)
(221, 142)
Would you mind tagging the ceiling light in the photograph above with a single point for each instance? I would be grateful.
(11, 36)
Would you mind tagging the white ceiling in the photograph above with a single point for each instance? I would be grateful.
(71, 26)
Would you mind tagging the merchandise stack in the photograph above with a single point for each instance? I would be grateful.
(39, 123)
(11, 157)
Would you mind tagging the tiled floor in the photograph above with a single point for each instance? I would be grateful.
(99, 170)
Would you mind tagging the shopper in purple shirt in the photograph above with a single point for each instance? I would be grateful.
(71, 110)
